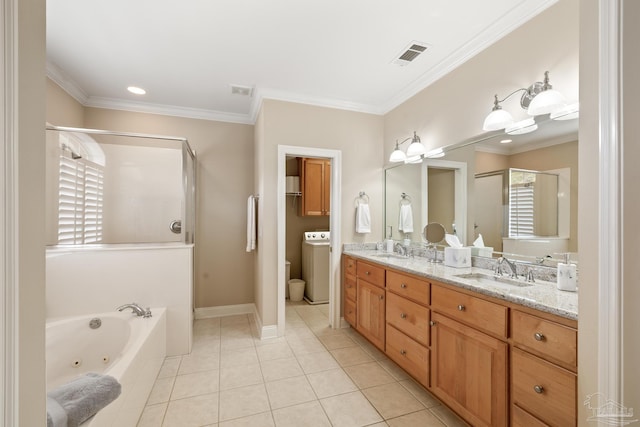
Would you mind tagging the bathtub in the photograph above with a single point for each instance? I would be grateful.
(131, 349)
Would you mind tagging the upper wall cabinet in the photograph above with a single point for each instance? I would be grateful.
(315, 182)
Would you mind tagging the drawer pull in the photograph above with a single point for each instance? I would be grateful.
(461, 307)
(403, 316)
(367, 273)
(538, 389)
(538, 336)
(403, 285)
(381, 297)
(432, 322)
(403, 352)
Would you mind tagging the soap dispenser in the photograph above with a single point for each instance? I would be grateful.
(567, 280)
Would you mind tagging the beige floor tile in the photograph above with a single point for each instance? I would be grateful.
(281, 368)
(445, 415)
(422, 418)
(351, 356)
(305, 346)
(170, 367)
(243, 401)
(331, 383)
(192, 412)
(152, 415)
(392, 400)
(280, 350)
(419, 392)
(369, 374)
(205, 346)
(240, 376)
(289, 391)
(161, 391)
(269, 341)
(394, 370)
(198, 362)
(238, 357)
(350, 410)
(373, 351)
(308, 414)
(317, 362)
(300, 333)
(333, 342)
(196, 384)
(380, 424)
(264, 419)
(234, 320)
(237, 342)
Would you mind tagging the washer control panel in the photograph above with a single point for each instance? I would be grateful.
(322, 236)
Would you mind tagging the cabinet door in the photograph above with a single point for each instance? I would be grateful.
(370, 312)
(469, 372)
(326, 188)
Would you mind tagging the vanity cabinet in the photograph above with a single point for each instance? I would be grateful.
(350, 292)
(370, 302)
(543, 370)
(469, 370)
(407, 315)
(315, 183)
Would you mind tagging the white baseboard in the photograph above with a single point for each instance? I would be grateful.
(265, 332)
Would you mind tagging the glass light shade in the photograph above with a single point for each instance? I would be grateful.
(416, 149)
(545, 102)
(569, 112)
(522, 127)
(497, 119)
(397, 156)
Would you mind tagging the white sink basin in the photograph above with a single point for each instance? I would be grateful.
(489, 279)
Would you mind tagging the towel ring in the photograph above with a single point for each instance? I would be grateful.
(405, 199)
(362, 198)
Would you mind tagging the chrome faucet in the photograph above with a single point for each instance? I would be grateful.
(139, 311)
(512, 266)
(400, 249)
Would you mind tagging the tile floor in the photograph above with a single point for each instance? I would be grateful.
(314, 376)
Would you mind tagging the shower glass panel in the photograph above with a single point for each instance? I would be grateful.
(112, 188)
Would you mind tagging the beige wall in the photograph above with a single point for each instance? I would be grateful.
(356, 135)
(62, 108)
(489, 162)
(441, 197)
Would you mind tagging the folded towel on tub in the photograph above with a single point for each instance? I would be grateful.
(80, 399)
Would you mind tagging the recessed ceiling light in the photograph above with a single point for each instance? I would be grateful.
(506, 141)
(136, 90)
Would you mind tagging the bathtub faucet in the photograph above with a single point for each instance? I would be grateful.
(139, 311)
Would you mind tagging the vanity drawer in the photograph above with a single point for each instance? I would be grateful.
(479, 313)
(349, 266)
(545, 338)
(350, 312)
(350, 287)
(521, 418)
(408, 317)
(373, 274)
(409, 354)
(409, 287)
(543, 389)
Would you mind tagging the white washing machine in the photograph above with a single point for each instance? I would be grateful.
(315, 266)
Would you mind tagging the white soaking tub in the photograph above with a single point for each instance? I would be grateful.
(129, 348)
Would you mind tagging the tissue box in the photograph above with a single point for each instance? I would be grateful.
(457, 257)
(485, 251)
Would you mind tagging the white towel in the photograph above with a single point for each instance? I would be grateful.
(405, 223)
(251, 223)
(363, 218)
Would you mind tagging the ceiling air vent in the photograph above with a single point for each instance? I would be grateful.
(241, 90)
(410, 53)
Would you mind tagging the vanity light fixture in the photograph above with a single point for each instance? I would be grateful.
(415, 150)
(539, 98)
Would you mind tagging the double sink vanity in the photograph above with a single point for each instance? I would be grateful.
(496, 350)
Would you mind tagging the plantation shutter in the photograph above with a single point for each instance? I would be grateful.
(521, 210)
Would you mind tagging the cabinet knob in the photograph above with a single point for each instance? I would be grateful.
(403, 316)
(538, 388)
(403, 285)
(403, 352)
(432, 322)
(367, 273)
(381, 297)
(538, 336)
(461, 307)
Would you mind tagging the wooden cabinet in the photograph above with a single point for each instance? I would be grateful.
(315, 184)
(350, 291)
(543, 370)
(409, 354)
(371, 312)
(469, 371)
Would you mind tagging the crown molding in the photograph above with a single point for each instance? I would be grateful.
(63, 80)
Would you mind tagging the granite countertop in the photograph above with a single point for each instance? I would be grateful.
(543, 296)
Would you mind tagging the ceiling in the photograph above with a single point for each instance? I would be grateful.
(335, 53)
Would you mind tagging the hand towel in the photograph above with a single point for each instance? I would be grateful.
(251, 223)
(82, 398)
(405, 223)
(363, 218)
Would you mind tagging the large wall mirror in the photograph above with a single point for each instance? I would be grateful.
(521, 195)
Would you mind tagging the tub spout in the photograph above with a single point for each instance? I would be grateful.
(139, 311)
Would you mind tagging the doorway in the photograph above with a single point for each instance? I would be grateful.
(335, 159)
